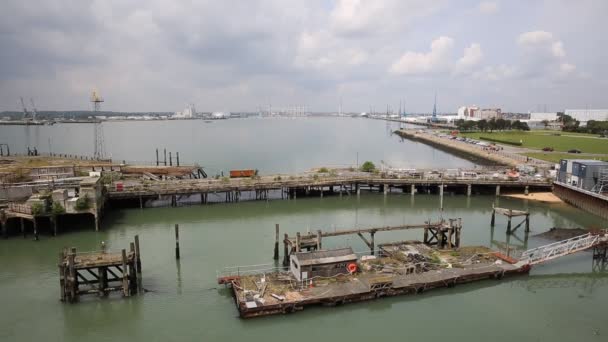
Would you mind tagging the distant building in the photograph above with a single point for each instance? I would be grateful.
(476, 113)
(584, 115)
(543, 116)
(467, 113)
(187, 113)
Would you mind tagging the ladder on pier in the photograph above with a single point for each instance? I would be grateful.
(562, 248)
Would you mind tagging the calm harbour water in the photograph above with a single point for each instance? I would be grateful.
(560, 301)
(270, 144)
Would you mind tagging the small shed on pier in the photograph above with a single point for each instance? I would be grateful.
(323, 263)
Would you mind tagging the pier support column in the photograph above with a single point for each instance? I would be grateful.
(493, 220)
(358, 189)
(54, 224)
(385, 188)
(509, 223)
(276, 242)
(372, 246)
(22, 223)
(96, 217)
(285, 251)
(35, 229)
(498, 190)
(321, 192)
(319, 242)
(4, 229)
(527, 223)
(527, 190)
(298, 242)
(413, 189)
(441, 197)
(469, 188)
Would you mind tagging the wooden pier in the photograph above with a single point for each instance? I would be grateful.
(100, 272)
(442, 234)
(510, 213)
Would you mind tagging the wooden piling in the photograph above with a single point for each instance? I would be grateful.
(285, 251)
(73, 281)
(319, 242)
(165, 155)
(62, 276)
(177, 158)
(298, 242)
(177, 241)
(469, 188)
(35, 228)
(22, 223)
(527, 223)
(276, 242)
(156, 157)
(125, 278)
(170, 159)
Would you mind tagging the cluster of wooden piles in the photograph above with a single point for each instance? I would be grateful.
(100, 272)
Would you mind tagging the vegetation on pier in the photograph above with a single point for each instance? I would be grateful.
(368, 166)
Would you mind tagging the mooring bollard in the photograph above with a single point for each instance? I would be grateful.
(176, 241)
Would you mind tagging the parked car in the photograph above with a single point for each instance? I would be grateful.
(548, 149)
(574, 150)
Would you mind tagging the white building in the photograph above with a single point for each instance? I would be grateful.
(475, 113)
(187, 113)
(543, 116)
(467, 113)
(584, 115)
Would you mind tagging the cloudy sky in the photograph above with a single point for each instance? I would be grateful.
(158, 55)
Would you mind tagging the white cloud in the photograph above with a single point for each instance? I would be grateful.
(488, 7)
(472, 56)
(495, 73)
(535, 38)
(379, 16)
(557, 48)
(438, 59)
(566, 68)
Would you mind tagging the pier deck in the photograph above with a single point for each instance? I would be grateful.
(280, 293)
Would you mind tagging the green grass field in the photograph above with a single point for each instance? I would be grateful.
(587, 143)
(555, 157)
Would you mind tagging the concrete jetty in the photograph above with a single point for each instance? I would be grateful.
(498, 157)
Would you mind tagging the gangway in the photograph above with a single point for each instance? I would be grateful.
(558, 249)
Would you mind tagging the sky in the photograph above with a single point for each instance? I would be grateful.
(159, 55)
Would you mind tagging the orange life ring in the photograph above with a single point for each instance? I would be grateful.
(352, 267)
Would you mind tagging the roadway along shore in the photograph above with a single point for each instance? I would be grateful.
(476, 151)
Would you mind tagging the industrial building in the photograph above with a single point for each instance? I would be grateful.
(590, 175)
(584, 115)
(307, 265)
(475, 113)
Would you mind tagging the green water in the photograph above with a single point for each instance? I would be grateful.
(185, 304)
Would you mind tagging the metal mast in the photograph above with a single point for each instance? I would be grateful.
(34, 110)
(99, 152)
(434, 117)
(25, 114)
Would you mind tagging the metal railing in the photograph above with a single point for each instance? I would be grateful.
(561, 248)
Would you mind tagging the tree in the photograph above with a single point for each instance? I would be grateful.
(545, 123)
(368, 166)
(482, 125)
(492, 125)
